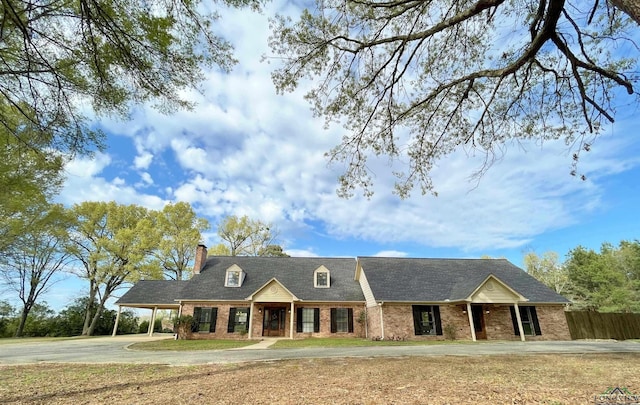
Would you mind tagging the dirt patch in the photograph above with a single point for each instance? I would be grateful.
(540, 379)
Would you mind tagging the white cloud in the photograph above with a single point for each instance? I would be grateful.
(143, 161)
(391, 253)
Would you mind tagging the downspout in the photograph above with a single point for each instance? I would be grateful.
(366, 322)
(115, 327)
(381, 320)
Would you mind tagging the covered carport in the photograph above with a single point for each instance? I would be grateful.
(150, 294)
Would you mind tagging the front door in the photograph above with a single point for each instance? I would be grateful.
(478, 321)
(273, 322)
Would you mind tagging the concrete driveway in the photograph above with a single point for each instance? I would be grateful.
(115, 350)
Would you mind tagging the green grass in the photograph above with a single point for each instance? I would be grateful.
(191, 345)
(8, 341)
(352, 342)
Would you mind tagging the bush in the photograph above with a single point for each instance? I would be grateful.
(184, 326)
(449, 332)
(144, 326)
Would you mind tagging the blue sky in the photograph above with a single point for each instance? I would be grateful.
(243, 150)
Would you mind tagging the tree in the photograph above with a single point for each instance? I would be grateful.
(114, 244)
(272, 251)
(27, 178)
(180, 231)
(548, 270)
(607, 280)
(418, 80)
(59, 57)
(36, 256)
(243, 236)
(70, 320)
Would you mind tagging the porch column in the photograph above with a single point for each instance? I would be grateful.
(250, 321)
(471, 324)
(381, 321)
(291, 321)
(153, 321)
(115, 327)
(520, 329)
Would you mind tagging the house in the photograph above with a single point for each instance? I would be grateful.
(374, 297)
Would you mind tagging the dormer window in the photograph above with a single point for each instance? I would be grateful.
(321, 278)
(234, 276)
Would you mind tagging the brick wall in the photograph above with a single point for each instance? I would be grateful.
(325, 321)
(222, 320)
(553, 323)
(398, 322)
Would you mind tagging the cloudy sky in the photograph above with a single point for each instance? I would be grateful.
(244, 150)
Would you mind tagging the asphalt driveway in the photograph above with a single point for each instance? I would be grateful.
(115, 350)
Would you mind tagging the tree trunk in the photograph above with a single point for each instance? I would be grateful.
(87, 314)
(23, 320)
(96, 316)
(629, 7)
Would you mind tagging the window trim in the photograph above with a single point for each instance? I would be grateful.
(231, 324)
(334, 320)
(434, 311)
(235, 269)
(197, 319)
(532, 316)
(316, 320)
(322, 270)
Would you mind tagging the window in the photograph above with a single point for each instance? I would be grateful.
(204, 319)
(233, 279)
(341, 320)
(321, 278)
(308, 320)
(238, 320)
(529, 318)
(426, 320)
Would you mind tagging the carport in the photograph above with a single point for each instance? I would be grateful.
(150, 294)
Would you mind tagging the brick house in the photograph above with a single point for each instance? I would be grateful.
(372, 297)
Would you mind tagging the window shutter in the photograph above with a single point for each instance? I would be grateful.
(299, 320)
(436, 319)
(416, 320)
(334, 325)
(195, 324)
(350, 319)
(316, 320)
(232, 320)
(516, 331)
(214, 318)
(536, 325)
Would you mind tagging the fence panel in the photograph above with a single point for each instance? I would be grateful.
(595, 325)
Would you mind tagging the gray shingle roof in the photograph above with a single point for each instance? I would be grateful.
(160, 292)
(432, 280)
(295, 273)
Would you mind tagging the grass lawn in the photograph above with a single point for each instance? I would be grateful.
(506, 379)
(8, 341)
(353, 342)
(191, 345)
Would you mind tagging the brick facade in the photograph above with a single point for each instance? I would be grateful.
(398, 323)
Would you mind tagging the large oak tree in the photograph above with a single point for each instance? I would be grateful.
(416, 80)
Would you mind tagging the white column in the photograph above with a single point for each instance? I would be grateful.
(249, 332)
(520, 328)
(153, 321)
(115, 327)
(381, 321)
(291, 321)
(471, 324)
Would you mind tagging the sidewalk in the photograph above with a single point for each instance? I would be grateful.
(265, 343)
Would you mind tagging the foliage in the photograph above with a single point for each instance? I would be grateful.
(548, 270)
(114, 244)
(607, 281)
(272, 251)
(416, 81)
(449, 331)
(179, 231)
(36, 256)
(61, 57)
(144, 326)
(183, 325)
(70, 321)
(244, 237)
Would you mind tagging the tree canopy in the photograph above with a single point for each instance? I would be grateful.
(243, 236)
(417, 80)
(60, 57)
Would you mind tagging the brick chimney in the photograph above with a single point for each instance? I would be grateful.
(201, 258)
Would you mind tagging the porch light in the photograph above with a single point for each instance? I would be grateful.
(486, 312)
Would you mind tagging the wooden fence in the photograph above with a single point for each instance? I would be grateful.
(596, 325)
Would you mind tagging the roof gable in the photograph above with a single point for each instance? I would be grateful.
(493, 291)
(272, 291)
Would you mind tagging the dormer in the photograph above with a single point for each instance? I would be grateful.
(321, 278)
(234, 276)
